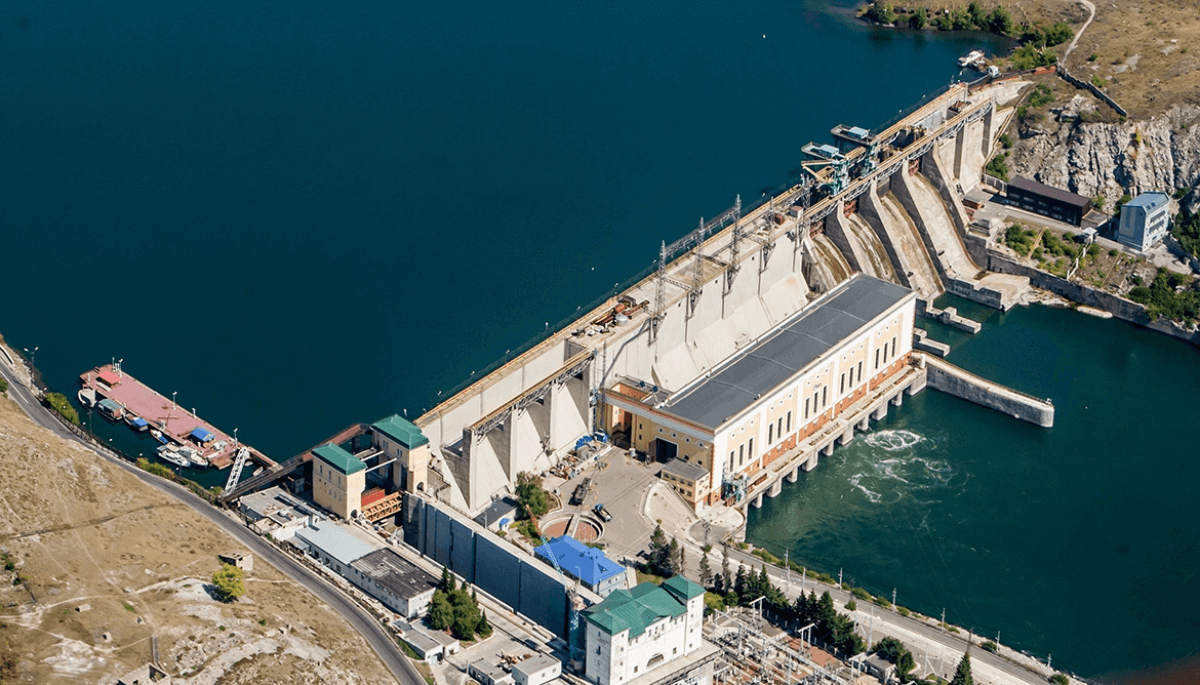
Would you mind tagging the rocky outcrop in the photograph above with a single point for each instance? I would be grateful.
(1112, 159)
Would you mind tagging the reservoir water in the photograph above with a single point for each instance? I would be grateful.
(304, 214)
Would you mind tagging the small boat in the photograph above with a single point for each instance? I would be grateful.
(87, 397)
(157, 435)
(111, 409)
(137, 423)
(971, 58)
(193, 456)
(170, 454)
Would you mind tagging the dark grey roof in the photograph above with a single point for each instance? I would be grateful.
(395, 573)
(779, 355)
(1053, 193)
(684, 470)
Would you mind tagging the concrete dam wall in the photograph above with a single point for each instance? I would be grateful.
(952, 380)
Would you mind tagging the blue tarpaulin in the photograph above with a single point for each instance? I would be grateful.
(201, 434)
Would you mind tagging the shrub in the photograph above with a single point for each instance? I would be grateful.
(862, 594)
(1060, 679)
(1114, 252)
(881, 13)
(989, 646)
(852, 606)
(1006, 140)
(1041, 95)
(903, 611)
(1098, 201)
(998, 166)
(919, 19)
(228, 583)
(531, 496)
(1093, 57)
(59, 403)
(3, 385)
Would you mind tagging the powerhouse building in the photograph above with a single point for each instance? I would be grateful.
(635, 632)
(716, 434)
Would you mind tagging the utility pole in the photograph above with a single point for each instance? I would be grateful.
(839, 578)
(893, 597)
(787, 567)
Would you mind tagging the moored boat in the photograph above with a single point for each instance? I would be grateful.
(111, 409)
(157, 435)
(193, 456)
(971, 58)
(171, 454)
(137, 423)
(87, 397)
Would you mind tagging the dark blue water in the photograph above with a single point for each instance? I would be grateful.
(300, 215)
(304, 214)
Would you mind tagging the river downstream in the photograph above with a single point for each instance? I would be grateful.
(1045, 536)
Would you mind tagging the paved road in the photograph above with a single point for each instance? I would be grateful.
(366, 625)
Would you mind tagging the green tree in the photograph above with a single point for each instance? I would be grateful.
(441, 613)
(979, 18)
(706, 574)
(59, 403)
(227, 582)
(466, 621)
(894, 651)
(3, 385)
(919, 19)
(962, 674)
(530, 495)
(1000, 21)
(483, 629)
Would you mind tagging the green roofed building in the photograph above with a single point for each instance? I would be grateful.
(339, 479)
(401, 440)
(634, 632)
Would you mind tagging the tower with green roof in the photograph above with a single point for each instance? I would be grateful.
(400, 439)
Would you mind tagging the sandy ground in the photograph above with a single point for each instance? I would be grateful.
(84, 532)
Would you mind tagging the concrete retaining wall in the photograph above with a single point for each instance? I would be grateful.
(1123, 309)
(952, 380)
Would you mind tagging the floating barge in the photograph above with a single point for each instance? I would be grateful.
(175, 423)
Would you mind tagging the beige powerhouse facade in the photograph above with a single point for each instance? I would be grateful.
(717, 433)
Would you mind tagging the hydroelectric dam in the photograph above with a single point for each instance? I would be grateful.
(763, 338)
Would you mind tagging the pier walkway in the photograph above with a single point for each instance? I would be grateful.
(175, 422)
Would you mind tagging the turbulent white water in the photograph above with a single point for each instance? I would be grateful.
(890, 468)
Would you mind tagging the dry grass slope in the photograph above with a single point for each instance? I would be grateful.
(83, 531)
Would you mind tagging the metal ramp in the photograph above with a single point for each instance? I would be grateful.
(235, 472)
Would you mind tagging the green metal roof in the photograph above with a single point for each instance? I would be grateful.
(682, 588)
(340, 459)
(634, 609)
(401, 430)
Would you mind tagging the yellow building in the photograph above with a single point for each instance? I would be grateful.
(759, 404)
(339, 479)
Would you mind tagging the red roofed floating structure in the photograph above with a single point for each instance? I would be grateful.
(174, 422)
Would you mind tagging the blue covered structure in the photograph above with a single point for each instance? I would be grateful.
(201, 435)
(588, 564)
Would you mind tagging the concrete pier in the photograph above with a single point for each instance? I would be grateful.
(952, 318)
(922, 342)
(952, 380)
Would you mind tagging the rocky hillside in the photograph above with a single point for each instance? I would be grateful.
(1110, 159)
